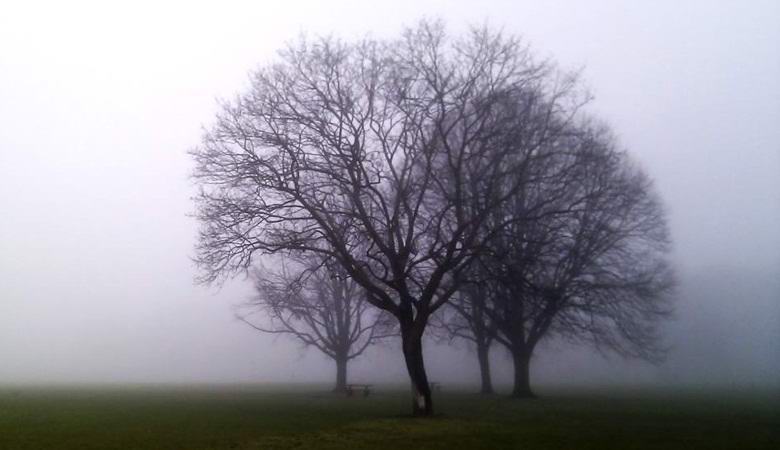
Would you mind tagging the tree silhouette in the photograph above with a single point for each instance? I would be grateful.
(321, 307)
(386, 157)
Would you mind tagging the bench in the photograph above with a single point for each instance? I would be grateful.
(351, 388)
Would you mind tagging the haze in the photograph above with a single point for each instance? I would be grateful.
(99, 104)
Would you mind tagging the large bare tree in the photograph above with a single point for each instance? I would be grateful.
(317, 304)
(386, 157)
(595, 271)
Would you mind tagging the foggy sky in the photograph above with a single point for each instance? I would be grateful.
(99, 104)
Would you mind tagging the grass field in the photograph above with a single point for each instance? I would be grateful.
(299, 417)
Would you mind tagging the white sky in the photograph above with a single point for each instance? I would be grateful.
(100, 101)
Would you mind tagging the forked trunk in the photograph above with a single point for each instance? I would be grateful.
(422, 403)
(483, 355)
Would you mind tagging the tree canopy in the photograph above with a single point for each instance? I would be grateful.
(400, 161)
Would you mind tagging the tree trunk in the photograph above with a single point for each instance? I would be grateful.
(341, 375)
(422, 404)
(522, 363)
(483, 355)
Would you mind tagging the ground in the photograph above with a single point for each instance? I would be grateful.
(301, 417)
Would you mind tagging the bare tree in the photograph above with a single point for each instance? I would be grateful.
(368, 154)
(466, 319)
(321, 307)
(596, 273)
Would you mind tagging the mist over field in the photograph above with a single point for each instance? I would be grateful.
(100, 103)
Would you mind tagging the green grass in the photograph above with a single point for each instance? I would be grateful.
(288, 417)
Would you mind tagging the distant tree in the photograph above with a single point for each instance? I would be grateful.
(466, 319)
(386, 157)
(320, 306)
(593, 272)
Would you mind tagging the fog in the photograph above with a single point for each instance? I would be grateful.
(99, 104)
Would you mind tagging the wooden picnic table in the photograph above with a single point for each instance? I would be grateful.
(366, 388)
